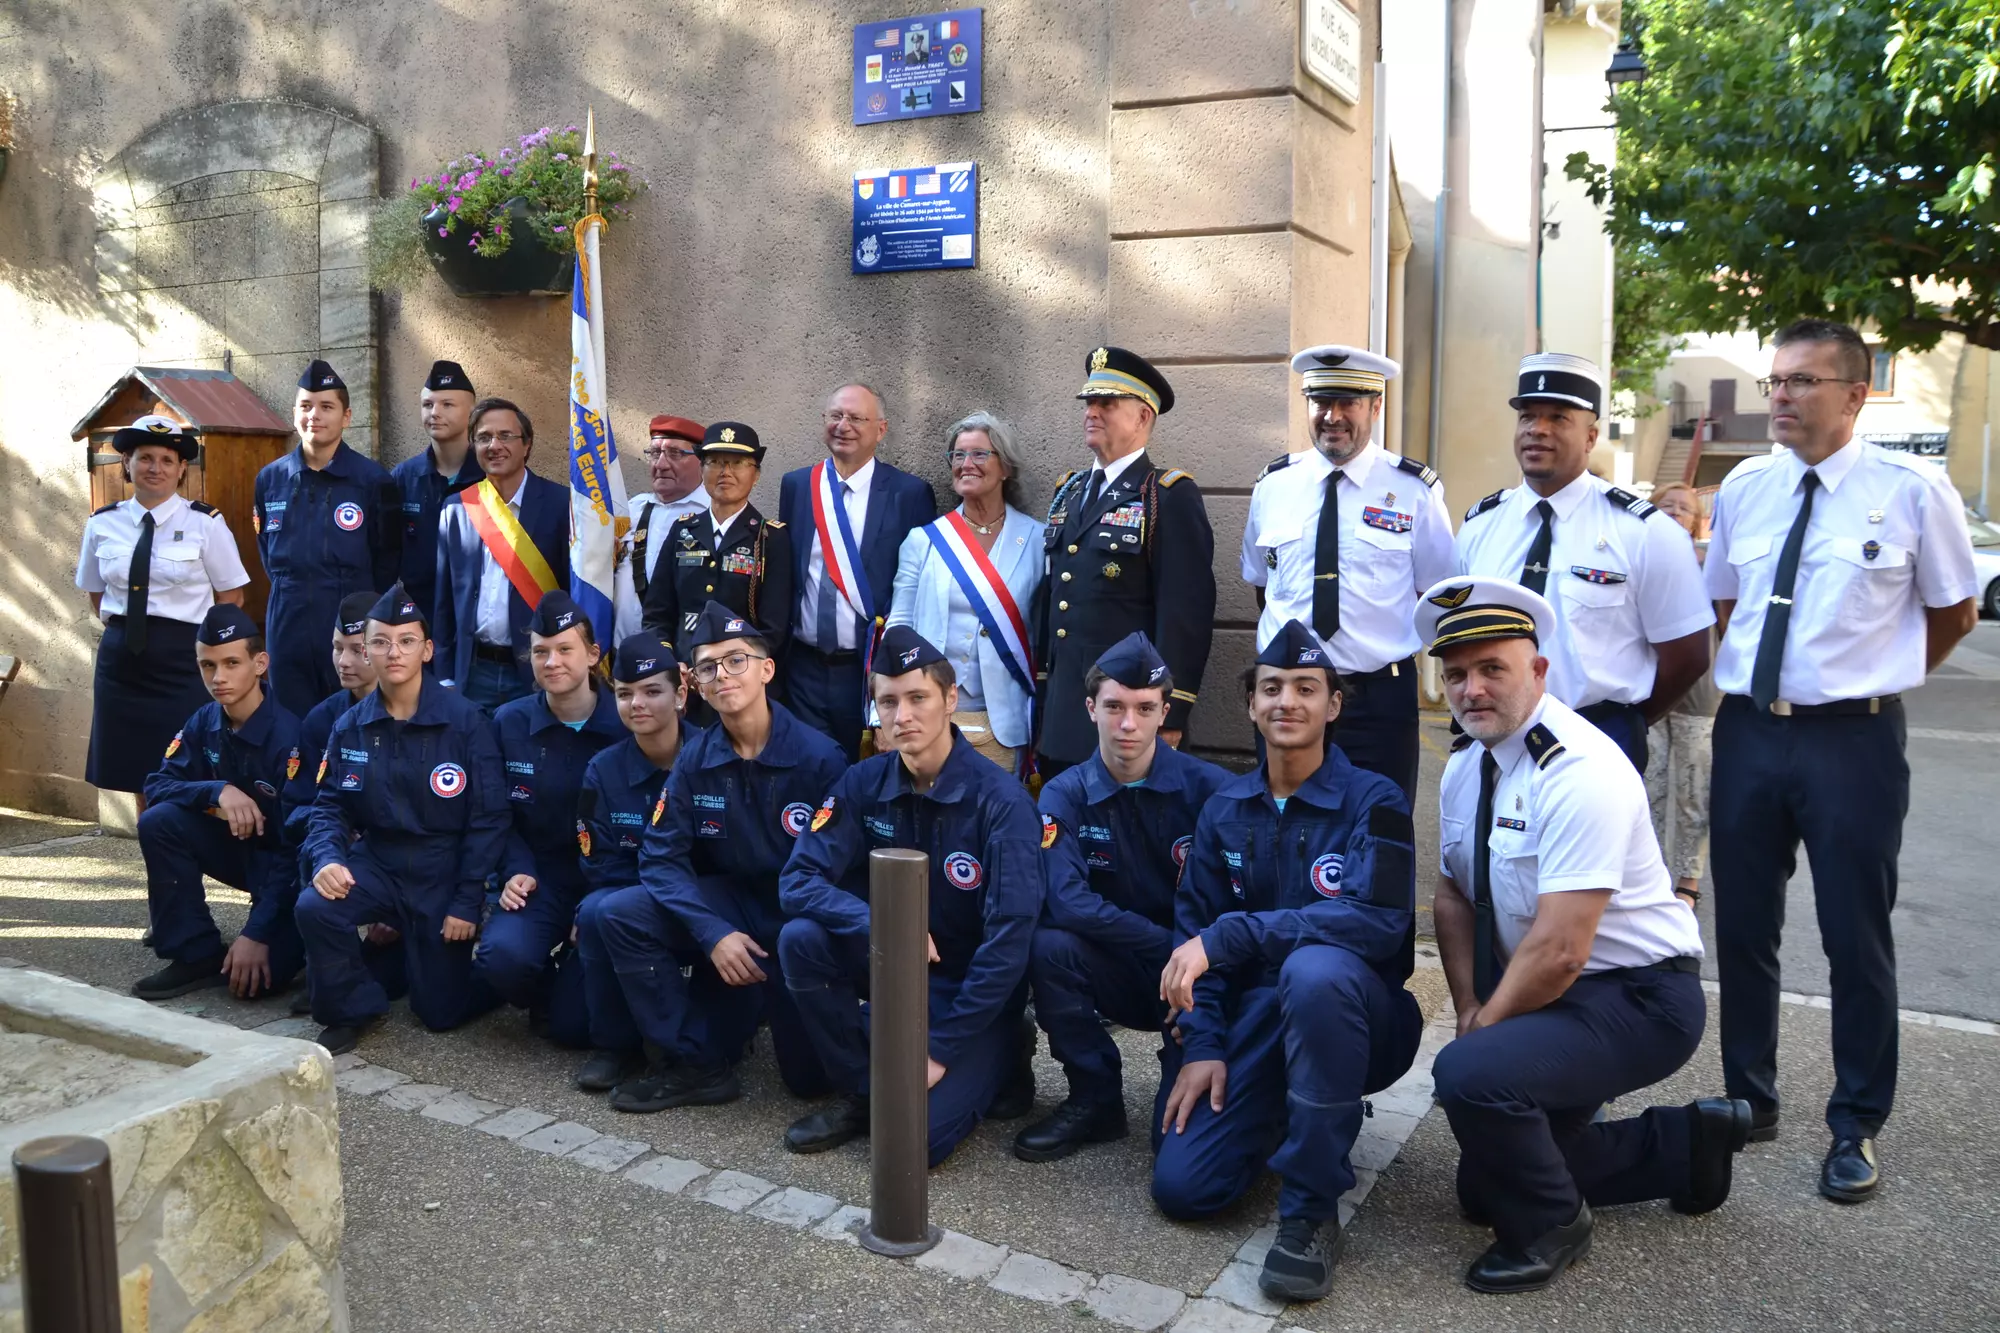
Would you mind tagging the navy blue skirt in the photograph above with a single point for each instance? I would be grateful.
(139, 700)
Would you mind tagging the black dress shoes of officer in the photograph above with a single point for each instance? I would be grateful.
(180, 978)
(1763, 1125)
(824, 1130)
(1503, 1270)
(1718, 1127)
(340, 1038)
(1073, 1124)
(663, 1087)
(605, 1070)
(1849, 1174)
(1299, 1264)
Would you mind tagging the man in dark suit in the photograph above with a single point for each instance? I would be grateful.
(849, 513)
(1129, 548)
(501, 545)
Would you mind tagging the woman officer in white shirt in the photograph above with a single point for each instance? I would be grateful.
(153, 566)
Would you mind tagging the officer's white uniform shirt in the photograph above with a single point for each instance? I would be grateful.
(1579, 820)
(1619, 581)
(492, 624)
(194, 557)
(666, 513)
(854, 499)
(1886, 539)
(1395, 542)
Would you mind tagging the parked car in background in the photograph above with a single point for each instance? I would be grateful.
(1986, 561)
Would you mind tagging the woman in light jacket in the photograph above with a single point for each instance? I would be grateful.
(946, 592)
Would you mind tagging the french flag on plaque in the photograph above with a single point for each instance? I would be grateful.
(947, 29)
(899, 186)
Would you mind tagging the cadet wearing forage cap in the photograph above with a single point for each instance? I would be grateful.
(444, 468)
(1549, 856)
(356, 675)
(1116, 830)
(329, 522)
(1343, 537)
(1128, 548)
(1298, 907)
(1631, 620)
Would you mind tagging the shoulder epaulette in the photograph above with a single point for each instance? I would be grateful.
(106, 509)
(774, 523)
(1063, 485)
(1460, 741)
(1543, 747)
(1490, 502)
(1416, 469)
(1278, 464)
(1629, 502)
(203, 507)
(1172, 475)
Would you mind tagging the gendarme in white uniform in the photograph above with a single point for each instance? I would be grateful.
(1622, 577)
(1395, 541)
(1569, 814)
(1885, 540)
(194, 556)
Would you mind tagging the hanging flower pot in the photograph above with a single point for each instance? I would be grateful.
(530, 266)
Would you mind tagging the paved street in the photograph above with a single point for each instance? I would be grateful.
(483, 1193)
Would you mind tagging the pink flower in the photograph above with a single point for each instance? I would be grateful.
(413, 182)
(474, 242)
(444, 231)
(506, 172)
(562, 157)
(451, 204)
(562, 229)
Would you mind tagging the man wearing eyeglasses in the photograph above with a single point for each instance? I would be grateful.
(851, 513)
(673, 466)
(502, 544)
(1842, 574)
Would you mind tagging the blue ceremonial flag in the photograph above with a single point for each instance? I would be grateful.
(597, 486)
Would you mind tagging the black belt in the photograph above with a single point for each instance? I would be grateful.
(1684, 963)
(1838, 708)
(1609, 708)
(833, 658)
(492, 652)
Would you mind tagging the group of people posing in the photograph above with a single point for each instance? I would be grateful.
(419, 772)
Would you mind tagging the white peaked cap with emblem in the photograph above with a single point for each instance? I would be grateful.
(1335, 370)
(1558, 377)
(1467, 608)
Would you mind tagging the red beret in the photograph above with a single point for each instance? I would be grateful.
(677, 426)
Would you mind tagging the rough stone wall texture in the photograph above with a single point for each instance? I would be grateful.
(225, 1164)
(1114, 129)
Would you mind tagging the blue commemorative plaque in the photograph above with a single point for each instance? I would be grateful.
(927, 65)
(916, 218)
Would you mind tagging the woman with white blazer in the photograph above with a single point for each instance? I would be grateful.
(965, 582)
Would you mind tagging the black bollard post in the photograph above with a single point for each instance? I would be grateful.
(899, 1054)
(69, 1247)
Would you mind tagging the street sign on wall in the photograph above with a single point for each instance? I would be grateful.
(1330, 47)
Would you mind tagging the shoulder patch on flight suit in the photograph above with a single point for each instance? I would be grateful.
(1543, 747)
(1629, 502)
(203, 507)
(1410, 465)
(1173, 475)
(1278, 464)
(823, 815)
(1049, 831)
(1490, 502)
(106, 509)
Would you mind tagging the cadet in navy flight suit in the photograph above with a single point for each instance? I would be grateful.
(214, 808)
(328, 524)
(1116, 829)
(934, 794)
(736, 802)
(545, 741)
(426, 480)
(356, 675)
(1297, 911)
(622, 786)
(410, 819)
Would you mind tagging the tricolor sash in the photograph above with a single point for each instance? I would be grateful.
(987, 592)
(842, 558)
(508, 542)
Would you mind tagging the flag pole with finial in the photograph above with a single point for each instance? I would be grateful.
(590, 161)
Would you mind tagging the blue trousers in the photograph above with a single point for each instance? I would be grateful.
(1623, 723)
(608, 1017)
(1377, 726)
(1075, 980)
(346, 990)
(828, 972)
(1520, 1096)
(827, 696)
(1301, 1055)
(1842, 786)
(490, 684)
(296, 618)
(526, 958)
(180, 846)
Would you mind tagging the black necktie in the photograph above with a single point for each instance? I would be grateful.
(1092, 489)
(1326, 562)
(1778, 615)
(136, 578)
(1535, 574)
(1482, 882)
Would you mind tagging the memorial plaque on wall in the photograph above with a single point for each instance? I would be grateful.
(916, 218)
(927, 65)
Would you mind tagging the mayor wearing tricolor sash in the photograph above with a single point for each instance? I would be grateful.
(966, 581)
(501, 545)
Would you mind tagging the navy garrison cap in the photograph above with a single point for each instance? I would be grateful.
(226, 624)
(396, 607)
(556, 612)
(731, 439)
(1292, 647)
(354, 609)
(642, 655)
(717, 623)
(1113, 372)
(319, 375)
(903, 650)
(448, 375)
(1133, 662)
(156, 430)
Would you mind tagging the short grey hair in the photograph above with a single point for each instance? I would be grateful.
(1001, 436)
(881, 403)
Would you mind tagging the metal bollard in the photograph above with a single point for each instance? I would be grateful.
(899, 1054)
(69, 1248)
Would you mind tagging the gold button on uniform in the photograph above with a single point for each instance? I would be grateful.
(1062, 634)
(1065, 576)
(1072, 548)
(711, 587)
(1062, 606)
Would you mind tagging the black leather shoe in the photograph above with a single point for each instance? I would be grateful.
(340, 1038)
(1073, 1124)
(1718, 1128)
(1849, 1174)
(1299, 1264)
(605, 1070)
(846, 1119)
(663, 1088)
(180, 978)
(1501, 1271)
(1763, 1125)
